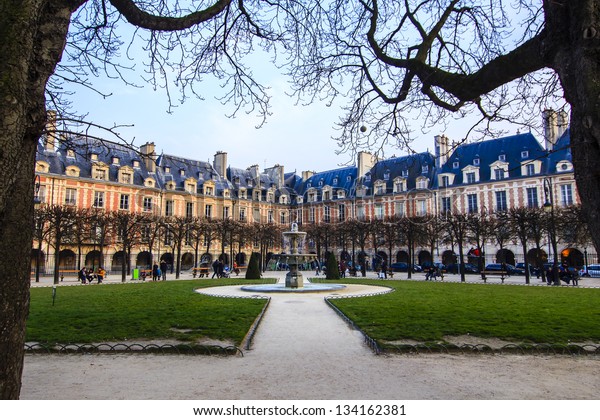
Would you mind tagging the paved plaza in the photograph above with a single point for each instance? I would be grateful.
(304, 350)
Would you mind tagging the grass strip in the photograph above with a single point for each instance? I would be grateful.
(143, 311)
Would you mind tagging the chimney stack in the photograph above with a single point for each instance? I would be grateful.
(149, 157)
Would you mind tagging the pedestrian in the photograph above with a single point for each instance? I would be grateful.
(163, 269)
(215, 267)
(342, 269)
(317, 268)
(384, 268)
(101, 274)
(220, 268)
(155, 272)
(82, 275)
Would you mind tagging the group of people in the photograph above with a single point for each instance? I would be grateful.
(159, 272)
(220, 270)
(87, 275)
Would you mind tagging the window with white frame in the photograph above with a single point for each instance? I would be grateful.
(169, 206)
(326, 195)
(455, 165)
(341, 212)
(445, 181)
(311, 215)
(399, 209)
(422, 183)
(399, 186)
(530, 169)
(499, 173)
(99, 199)
(327, 214)
(283, 218)
(470, 177)
(566, 194)
(242, 194)
(501, 203)
(341, 194)
(208, 211)
(189, 210)
(472, 203)
(524, 154)
(446, 205)
(386, 175)
(421, 207)
(242, 214)
(380, 188)
(532, 198)
(379, 211)
(208, 190)
(124, 202)
(270, 216)
(226, 212)
(147, 204)
(71, 196)
(360, 212)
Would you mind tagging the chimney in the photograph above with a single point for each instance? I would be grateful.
(551, 127)
(51, 137)
(441, 150)
(148, 156)
(254, 172)
(306, 175)
(563, 123)
(220, 164)
(365, 162)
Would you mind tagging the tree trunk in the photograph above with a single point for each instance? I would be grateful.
(574, 29)
(32, 38)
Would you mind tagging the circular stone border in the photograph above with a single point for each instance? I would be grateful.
(281, 288)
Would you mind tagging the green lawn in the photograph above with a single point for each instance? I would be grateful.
(151, 310)
(428, 311)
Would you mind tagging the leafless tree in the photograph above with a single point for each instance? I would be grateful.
(399, 62)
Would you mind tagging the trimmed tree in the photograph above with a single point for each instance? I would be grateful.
(253, 271)
(333, 271)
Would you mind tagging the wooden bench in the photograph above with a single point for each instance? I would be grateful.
(68, 272)
(503, 274)
(200, 271)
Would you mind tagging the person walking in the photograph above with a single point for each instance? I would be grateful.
(163, 269)
(155, 272)
(215, 267)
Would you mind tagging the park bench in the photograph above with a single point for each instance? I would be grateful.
(200, 271)
(485, 273)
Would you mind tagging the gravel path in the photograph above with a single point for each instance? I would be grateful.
(303, 350)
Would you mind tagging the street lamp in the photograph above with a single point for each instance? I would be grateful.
(37, 202)
(38, 224)
(549, 208)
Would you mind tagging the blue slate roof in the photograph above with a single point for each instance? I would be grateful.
(84, 148)
(561, 152)
(200, 171)
(410, 167)
(343, 178)
(483, 154)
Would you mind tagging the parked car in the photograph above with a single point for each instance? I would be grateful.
(510, 269)
(533, 270)
(593, 270)
(402, 266)
(455, 268)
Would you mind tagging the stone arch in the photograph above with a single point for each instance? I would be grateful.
(573, 257)
(93, 259)
(505, 256)
(425, 259)
(118, 260)
(67, 260)
(187, 261)
(449, 257)
(144, 260)
(241, 259)
(402, 256)
(537, 257)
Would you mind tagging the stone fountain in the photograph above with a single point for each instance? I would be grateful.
(294, 281)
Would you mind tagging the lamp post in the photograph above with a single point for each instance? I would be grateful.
(549, 208)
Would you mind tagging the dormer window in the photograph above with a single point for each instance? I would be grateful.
(470, 177)
(249, 182)
(208, 190)
(283, 199)
(101, 174)
(115, 160)
(368, 177)
(136, 164)
(476, 161)
(502, 158)
(341, 194)
(167, 169)
(94, 157)
(424, 169)
(70, 153)
(335, 181)
(349, 178)
(181, 172)
(386, 175)
(421, 183)
(405, 173)
(455, 165)
(524, 154)
(320, 183)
